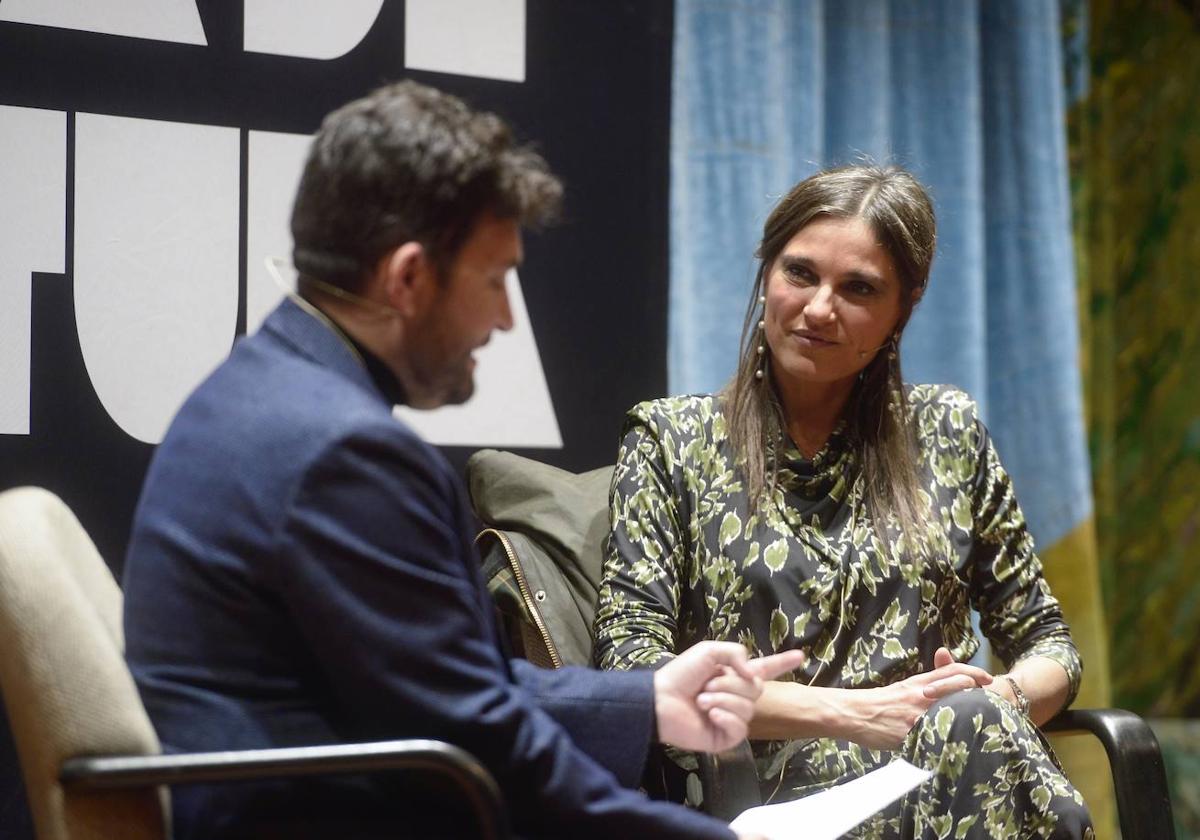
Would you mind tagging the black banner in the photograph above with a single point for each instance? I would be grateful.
(595, 99)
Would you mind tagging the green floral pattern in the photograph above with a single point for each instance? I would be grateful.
(687, 561)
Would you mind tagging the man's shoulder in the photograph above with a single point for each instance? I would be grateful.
(266, 399)
(266, 418)
(247, 455)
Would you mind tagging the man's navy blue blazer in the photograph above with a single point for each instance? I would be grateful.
(301, 571)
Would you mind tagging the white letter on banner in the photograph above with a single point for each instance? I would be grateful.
(33, 217)
(156, 261)
(177, 21)
(276, 161)
(466, 37)
(511, 405)
(307, 28)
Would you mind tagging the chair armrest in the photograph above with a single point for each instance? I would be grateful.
(730, 782)
(93, 773)
(1139, 778)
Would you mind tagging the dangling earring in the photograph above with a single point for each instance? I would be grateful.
(897, 397)
(762, 342)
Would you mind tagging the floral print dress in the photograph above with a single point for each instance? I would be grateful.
(687, 560)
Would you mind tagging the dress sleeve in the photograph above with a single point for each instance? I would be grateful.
(637, 615)
(1018, 614)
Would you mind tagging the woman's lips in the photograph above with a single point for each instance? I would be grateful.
(808, 339)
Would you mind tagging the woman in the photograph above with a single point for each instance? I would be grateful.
(819, 502)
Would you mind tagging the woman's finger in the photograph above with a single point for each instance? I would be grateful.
(941, 688)
(979, 675)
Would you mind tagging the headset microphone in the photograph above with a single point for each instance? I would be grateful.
(274, 264)
(862, 354)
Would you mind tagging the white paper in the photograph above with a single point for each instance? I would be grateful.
(831, 813)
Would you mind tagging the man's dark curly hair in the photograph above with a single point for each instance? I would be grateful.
(409, 163)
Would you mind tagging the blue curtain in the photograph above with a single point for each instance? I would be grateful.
(970, 97)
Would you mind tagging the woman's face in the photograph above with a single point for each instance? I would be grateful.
(833, 301)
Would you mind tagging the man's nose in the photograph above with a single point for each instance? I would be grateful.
(504, 318)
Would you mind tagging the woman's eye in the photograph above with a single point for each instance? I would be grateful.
(798, 274)
(862, 288)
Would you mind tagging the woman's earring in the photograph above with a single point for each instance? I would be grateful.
(893, 346)
(762, 341)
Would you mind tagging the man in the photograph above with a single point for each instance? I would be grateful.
(301, 568)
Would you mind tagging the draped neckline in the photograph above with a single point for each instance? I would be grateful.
(819, 476)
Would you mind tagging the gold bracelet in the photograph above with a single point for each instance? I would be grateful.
(1022, 700)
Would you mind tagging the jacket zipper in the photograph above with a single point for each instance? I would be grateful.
(523, 585)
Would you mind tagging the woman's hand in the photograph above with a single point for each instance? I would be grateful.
(946, 680)
(880, 718)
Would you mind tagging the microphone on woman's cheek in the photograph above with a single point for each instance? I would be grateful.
(862, 354)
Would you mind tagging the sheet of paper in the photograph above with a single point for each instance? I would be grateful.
(829, 814)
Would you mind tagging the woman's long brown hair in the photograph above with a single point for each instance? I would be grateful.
(898, 210)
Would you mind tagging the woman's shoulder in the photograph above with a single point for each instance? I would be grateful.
(684, 408)
(939, 399)
(689, 415)
(942, 410)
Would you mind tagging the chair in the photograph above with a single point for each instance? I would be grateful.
(91, 762)
(1139, 777)
(542, 558)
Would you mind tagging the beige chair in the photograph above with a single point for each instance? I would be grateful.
(89, 757)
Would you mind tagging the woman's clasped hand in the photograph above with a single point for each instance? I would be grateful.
(882, 717)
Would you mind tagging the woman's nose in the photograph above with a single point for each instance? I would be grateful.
(820, 305)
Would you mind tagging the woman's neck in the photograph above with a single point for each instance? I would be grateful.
(811, 411)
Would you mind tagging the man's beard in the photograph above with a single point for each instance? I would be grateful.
(446, 384)
(461, 390)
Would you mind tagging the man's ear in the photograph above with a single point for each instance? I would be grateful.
(407, 275)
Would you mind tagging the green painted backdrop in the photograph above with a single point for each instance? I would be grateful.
(1135, 158)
